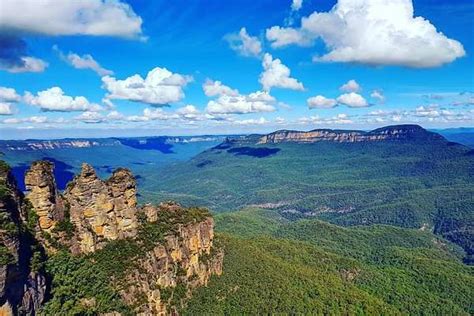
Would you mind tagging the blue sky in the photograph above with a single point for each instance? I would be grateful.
(67, 69)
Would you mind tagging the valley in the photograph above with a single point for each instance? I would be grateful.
(326, 222)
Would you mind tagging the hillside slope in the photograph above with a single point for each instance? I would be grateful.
(312, 267)
(419, 180)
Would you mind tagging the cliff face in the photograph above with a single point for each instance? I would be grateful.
(22, 290)
(390, 133)
(43, 194)
(185, 260)
(173, 246)
(101, 210)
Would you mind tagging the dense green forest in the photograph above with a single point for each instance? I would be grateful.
(272, 265)
(425, 184)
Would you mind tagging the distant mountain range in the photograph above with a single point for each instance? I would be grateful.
(462, 135)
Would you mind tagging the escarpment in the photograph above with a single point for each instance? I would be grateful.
(147, 258)
(22, 281)
(389, 133)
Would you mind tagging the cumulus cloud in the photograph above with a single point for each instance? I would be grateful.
(321, 102)
(9, 95)
(378, 95)
(13, 56)
(284, 36)
(115, 116)
(296, 5)
(53, 18)
(350, 86)
(160, 87)
(6, 108)
(275, 74)
(260, 101)
(213, 88)
(54, 99)
(83, 62)
(230, 101)
(90, 117)
(353, 100)
(375, 32)
(244, 44)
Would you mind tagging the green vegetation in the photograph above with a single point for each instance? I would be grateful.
(312, 267)
(410, 184)
(102, 274)
(75, 278)
(5, 256)
(65, 225)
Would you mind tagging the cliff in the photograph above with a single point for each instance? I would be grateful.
(150, 256)
(22, 284)
(389, 133)
(101, 210)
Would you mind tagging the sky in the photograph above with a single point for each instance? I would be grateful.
(101, 68)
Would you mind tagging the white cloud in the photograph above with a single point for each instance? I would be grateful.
(245, 44)
(115, 116)
(213, 88)
(160, 87)
(51, 17)
(83, 62)
(353, 100)
(260, 121)
(284, 36)
(255, 102)
(230, 101)
(277, 75)
(189, 112)
(321, 102)
(6, 108)
(378, 95)
(90, 117)
(296, 5)
(350, 86)
(335, 120)
(31, 119)
(54, 99)
(377, 32)
(9, 95)
(27, 64)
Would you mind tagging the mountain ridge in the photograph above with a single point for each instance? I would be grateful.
(392, 132)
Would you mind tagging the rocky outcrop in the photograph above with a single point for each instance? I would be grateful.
(389, 133)
(101, 210)
(173, 246)
(185, 260)
(22, 289)
(43, 194)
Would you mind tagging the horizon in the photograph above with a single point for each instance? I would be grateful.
(127, 135)
(248, 73)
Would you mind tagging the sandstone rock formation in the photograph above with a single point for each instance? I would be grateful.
(22, 291)
(173, 246)
(102, 210)
(397, 132)
(43, 194)
(186, 258)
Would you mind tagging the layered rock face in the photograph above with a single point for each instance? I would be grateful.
(186, 258)
(101, 210)
(43, 194)
(397, 132)
(22, 291)
(173, 246)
